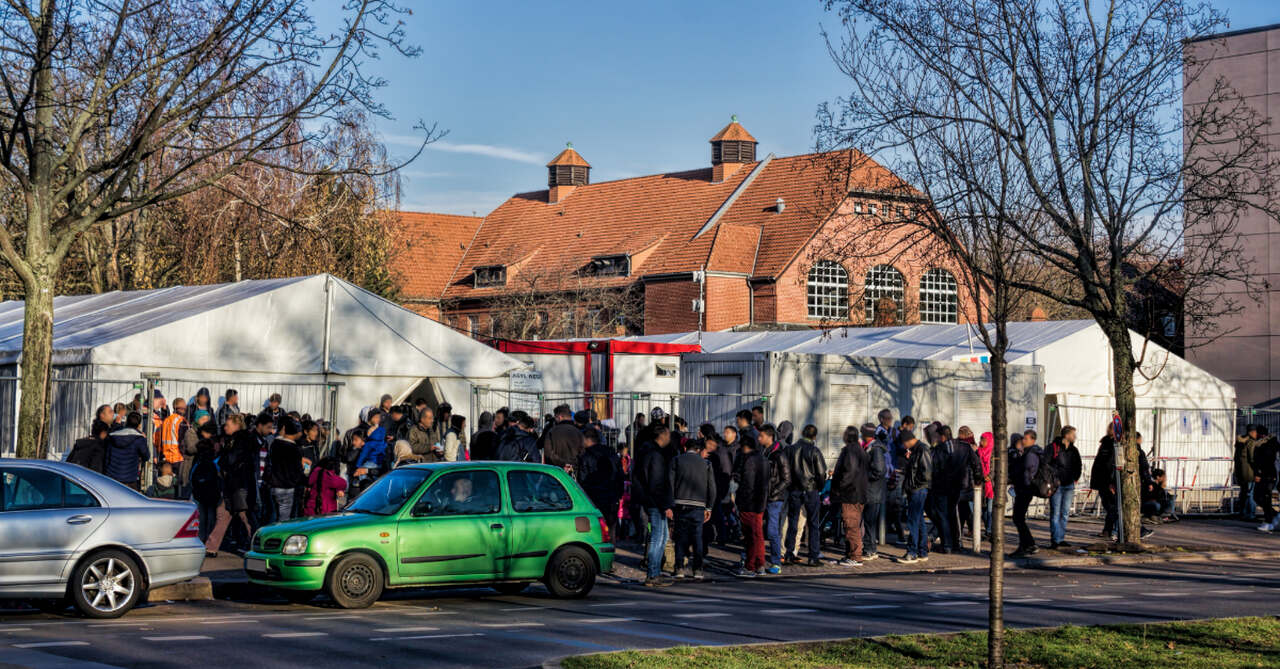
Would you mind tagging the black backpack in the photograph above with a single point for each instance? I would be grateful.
(206, 484)
(1046, 481)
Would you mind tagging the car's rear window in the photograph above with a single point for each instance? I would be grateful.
(533, 491)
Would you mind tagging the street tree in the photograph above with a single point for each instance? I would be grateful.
(111, 107)
(1105, 165)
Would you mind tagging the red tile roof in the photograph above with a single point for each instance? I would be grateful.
(657, 219)
(436, 245)
(569, 157)
(733, 132)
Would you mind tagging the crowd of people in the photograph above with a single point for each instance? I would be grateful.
(677, 492)
(1256, 452)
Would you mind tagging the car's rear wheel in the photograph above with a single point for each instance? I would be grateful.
(355, 582)
(510, 588)
(106, 584)
(571, 573)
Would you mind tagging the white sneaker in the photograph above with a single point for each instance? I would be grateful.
(1265, 527)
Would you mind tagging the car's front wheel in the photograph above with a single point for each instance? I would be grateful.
(571, 573)
(106, 585)
(355, 582)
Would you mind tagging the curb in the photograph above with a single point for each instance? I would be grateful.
(199, 588)
(1143, 558)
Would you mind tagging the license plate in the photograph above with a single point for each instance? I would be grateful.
(255, 564)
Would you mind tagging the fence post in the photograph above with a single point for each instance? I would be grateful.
(334, 428)
(978, 503)
(1155, 427)
(148, 399)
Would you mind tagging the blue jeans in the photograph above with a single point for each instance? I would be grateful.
(1248, 508)
(657, 540)
(918, 544)
(773, 531)
(1059, 507)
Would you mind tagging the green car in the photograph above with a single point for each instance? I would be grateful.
(504, 524)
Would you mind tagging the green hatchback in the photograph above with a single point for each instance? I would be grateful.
(499, 523)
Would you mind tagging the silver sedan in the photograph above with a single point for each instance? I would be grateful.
(68, 532)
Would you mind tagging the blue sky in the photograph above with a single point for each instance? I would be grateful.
(637, 87)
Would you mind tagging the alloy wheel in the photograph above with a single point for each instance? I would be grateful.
(108, 584)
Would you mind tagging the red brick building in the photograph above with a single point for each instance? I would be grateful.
(741, 243)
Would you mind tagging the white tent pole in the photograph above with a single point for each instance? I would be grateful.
(328, 312)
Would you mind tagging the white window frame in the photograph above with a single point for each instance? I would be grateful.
(827, 291)
(935, 291)
(871, 292)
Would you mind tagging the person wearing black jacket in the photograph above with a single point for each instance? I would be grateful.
(693, 490)
(651, 489)
(520, 444)
(849, 481)
(284, 468)
(956, 469)
(779, 487)
(751, 499)
(1264, 474)
(91, 452)
(600, 473)
(484, 443)
(808, 476)
(917, 472)
(878, 472)
(1024, 461)
(1064, 457)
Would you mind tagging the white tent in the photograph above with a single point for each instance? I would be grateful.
(294, 333)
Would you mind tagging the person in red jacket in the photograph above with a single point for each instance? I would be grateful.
(324, 488)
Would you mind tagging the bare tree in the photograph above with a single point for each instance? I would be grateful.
(110, 107)
(1086, 100)
(551, 304)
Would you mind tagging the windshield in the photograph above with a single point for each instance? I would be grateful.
(389, 493)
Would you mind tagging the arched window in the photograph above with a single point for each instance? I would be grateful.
(939, 302)
(884, 281)
(828, 290)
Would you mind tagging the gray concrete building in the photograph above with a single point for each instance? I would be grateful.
(1248, 356)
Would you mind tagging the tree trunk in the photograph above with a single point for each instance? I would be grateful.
(37, 354)
(999, 482)
(1123, 366)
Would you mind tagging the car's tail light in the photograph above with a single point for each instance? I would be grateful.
(604, 530)
(191, 528)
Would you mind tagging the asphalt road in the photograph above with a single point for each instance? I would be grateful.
(478, 628)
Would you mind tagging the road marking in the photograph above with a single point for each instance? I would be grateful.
(602, 621)
(1167, 594)
(15, 629)
(178, 638)
(612, 604)
(293, 635)
(337, 617)
(109, 625)
(522, 608)
(1064, 585)
(50, 644)
(1096, 596)
(1027, 600)
(865, 607)
(506, 625)
(691, 600)
(701, 615)
(788, 611)
(423, 636)
(229, 622)
(403, 630)
(956, 603)
(1229, 592)
(425, 613)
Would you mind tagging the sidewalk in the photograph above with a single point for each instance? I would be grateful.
(1199, 539)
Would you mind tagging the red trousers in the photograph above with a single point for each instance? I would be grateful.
(753, 538)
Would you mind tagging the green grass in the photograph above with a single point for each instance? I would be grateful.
(1222, 643)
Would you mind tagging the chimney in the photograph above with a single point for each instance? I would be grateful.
(731, 148)
(1038, 315)
(565, 172)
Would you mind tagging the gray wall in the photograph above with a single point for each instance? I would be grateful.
(832, 391)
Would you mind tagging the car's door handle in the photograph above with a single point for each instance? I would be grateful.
(79, 519)
(496, 526)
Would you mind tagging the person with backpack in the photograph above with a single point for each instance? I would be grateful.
(91, 452)
(1064, 458)
(1024, 465)
(600, 473)
(325, 488)
(206, 482)
(521, 443)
